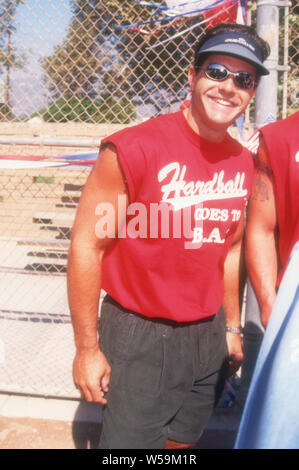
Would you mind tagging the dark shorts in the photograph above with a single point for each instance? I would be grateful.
(165, 378)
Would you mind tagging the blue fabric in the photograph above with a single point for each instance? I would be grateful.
(270, 418)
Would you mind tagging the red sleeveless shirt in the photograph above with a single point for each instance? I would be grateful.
(171, 266)
(282, 143)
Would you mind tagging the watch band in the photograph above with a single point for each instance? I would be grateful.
(232, 329)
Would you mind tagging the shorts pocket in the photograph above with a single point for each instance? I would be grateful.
(134, 346)
(145, 360)
(216, 352)
(115, 330)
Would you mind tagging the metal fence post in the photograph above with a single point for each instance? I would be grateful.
(265, 111)
(268, 29)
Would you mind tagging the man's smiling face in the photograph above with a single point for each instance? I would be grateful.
(216, 104)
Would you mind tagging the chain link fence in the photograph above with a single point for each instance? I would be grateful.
(37, 210)
(73, 60)
(288, 90)
(69, 76)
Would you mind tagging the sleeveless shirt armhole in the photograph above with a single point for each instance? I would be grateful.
(127, 175)
(261, 159)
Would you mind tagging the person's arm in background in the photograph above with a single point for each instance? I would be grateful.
(91, 371)
(231, 302)
(260, 242)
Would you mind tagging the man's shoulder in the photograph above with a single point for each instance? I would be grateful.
(289, 123)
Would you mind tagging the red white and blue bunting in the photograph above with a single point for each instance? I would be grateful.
(176, 12)
(15, 162)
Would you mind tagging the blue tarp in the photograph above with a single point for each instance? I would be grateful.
(270, 418)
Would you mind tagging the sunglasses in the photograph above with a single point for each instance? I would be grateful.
(219, 73)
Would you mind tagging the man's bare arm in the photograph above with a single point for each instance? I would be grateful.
(91, 370)
(231, 302)
(260, 245)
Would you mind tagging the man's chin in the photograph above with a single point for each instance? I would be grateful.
(221, 123)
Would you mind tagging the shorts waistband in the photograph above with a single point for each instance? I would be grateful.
(164, 321)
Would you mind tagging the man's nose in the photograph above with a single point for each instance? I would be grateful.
(228, 85)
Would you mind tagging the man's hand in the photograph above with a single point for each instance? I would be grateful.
(235, 352)
(91, 373)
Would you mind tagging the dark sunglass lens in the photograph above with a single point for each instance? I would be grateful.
(244, 80)
(216, 72)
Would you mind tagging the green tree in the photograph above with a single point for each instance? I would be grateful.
(99, 61)
(85, 109)
(74, 65)
(8, 56)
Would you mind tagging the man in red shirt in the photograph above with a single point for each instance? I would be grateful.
(161, 358)
(272, 235)
(273, 215)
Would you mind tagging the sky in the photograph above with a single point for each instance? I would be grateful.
(40, 26)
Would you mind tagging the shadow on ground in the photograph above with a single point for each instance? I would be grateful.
(29, 433)
(87, 435)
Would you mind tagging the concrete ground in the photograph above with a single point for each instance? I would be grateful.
(45, 423)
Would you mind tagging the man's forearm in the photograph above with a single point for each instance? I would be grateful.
(261, 263)
(84, 287)
(260, 246)
(231, 302)
(91, 371)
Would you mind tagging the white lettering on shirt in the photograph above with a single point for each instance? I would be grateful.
(183, 194)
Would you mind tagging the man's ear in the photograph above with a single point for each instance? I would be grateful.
(191, 78)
